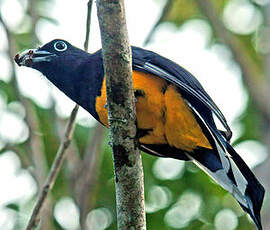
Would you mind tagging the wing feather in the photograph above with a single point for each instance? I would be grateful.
(150, 62)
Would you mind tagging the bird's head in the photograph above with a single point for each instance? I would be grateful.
(57, 57)
(72, 70)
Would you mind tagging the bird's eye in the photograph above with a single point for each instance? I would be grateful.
(60, 46)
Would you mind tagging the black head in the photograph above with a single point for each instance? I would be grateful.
(75, 72)
(52, 58)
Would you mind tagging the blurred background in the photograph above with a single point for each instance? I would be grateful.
(225, 44)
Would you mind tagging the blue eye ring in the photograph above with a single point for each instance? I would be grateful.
(60, 46)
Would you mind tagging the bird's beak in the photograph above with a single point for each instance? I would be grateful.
(29, 57)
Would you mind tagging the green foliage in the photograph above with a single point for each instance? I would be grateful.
(14, 207)
(183, 10)
(7, 91)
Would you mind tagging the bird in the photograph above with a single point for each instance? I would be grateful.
(175, 115)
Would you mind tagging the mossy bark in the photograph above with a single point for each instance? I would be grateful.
(122, 115)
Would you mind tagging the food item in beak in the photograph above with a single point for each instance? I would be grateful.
(25, 59)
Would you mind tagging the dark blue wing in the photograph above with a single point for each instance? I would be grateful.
(188, 85)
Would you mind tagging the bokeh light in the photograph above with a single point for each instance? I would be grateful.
(3, 40)
(253, 152)
(67, 214)
(18, 8)
(5, 74)
(226, 219)
(242, 17)
(16, 107)
(158, 197)
(99, 219)
(168, 169)
(186, 209)
(35, 86)
(7, 219)
(13, 129)
(14, 177)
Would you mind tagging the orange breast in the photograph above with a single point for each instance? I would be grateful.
(161, 110)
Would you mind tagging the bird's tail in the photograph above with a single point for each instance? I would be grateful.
(227, 168)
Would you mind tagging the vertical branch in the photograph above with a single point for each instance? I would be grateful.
(118, 71)
(88, 23)
(86, 171)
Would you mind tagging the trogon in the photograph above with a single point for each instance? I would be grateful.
(175, 115)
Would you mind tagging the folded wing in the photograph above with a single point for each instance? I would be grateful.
(221, 163)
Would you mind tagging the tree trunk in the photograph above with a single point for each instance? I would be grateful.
(122, 115)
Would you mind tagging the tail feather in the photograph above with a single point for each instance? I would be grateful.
(227, 168)
(231, 172)
(254, 191)
(236, 179)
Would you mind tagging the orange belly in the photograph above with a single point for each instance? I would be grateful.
(161, 110)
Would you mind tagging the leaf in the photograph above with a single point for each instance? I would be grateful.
(13, 206)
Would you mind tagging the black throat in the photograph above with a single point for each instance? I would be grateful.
(80, 79)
